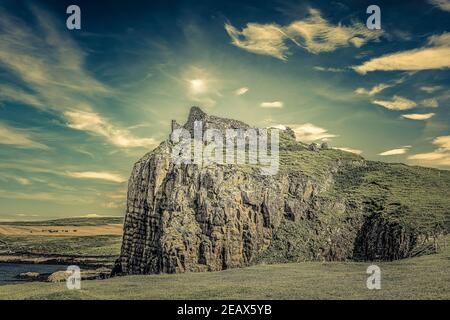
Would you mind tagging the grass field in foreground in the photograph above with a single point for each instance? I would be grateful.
(425, 277)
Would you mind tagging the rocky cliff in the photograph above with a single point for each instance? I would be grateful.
(323, 204)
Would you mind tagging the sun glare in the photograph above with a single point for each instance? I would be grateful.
(197, 85)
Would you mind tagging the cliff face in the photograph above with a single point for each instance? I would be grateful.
(184, 217)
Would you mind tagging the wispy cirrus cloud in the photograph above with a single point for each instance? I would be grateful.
(430, 89)
(53, 77)
(396, 103)
(49, 63)
(272, 104)
(309, 132)
(314, 34)
(436, 55)
(44, 196)
(430, 103)
(97, 175)
(318, 35)
(351, 150)
(9, 93)
(11, 177)
(328, 69)
(439, 157)
(19, 138)
(374, 90)
(241, 91)
(418, 116)
(115, 199)
(265, 39)
(441, 4)
(395, 152)
(95, 124)
(77, 172)
(379, 87)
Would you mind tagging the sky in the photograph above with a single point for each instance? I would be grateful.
(79, 107)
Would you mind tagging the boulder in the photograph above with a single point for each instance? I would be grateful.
(314, 147)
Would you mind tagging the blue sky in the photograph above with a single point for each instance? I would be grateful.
(79, 107)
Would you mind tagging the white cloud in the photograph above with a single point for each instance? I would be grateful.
(317, 35)
(19, 138)
(430, 89)
(8, 93)
(435, 56)
(241, 91)
(308, 132)
(272, 104)
(441, 4)
(438, 157)
(43, 196)
(115, 199)
(351, 150)
(374, 90)
(431, 103)
(21, 180)
(394, 152)
(46, 60)
(314, 33)
(329, 69)
(40, 196)
(278, 126)
(418, 116)
(51, 69)
(107, 176)
(443, 142)
(266, 39)
(397, 103)
(93, 123)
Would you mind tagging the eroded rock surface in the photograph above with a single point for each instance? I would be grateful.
(182, 218)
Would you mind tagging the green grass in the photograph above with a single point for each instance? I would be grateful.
(315, 164)
(416, 197)
(85, 245)
(425, 277)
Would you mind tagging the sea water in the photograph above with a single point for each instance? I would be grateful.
(8, 271)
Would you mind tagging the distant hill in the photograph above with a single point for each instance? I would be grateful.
(76, 221)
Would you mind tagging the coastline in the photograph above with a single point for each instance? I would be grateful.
(89, 261)
(92, 267)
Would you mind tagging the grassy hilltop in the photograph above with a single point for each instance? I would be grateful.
(417, 197)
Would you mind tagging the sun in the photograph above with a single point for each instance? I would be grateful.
(197, 85)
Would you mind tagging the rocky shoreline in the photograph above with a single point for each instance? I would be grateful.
(92, 267)
(61, 276)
